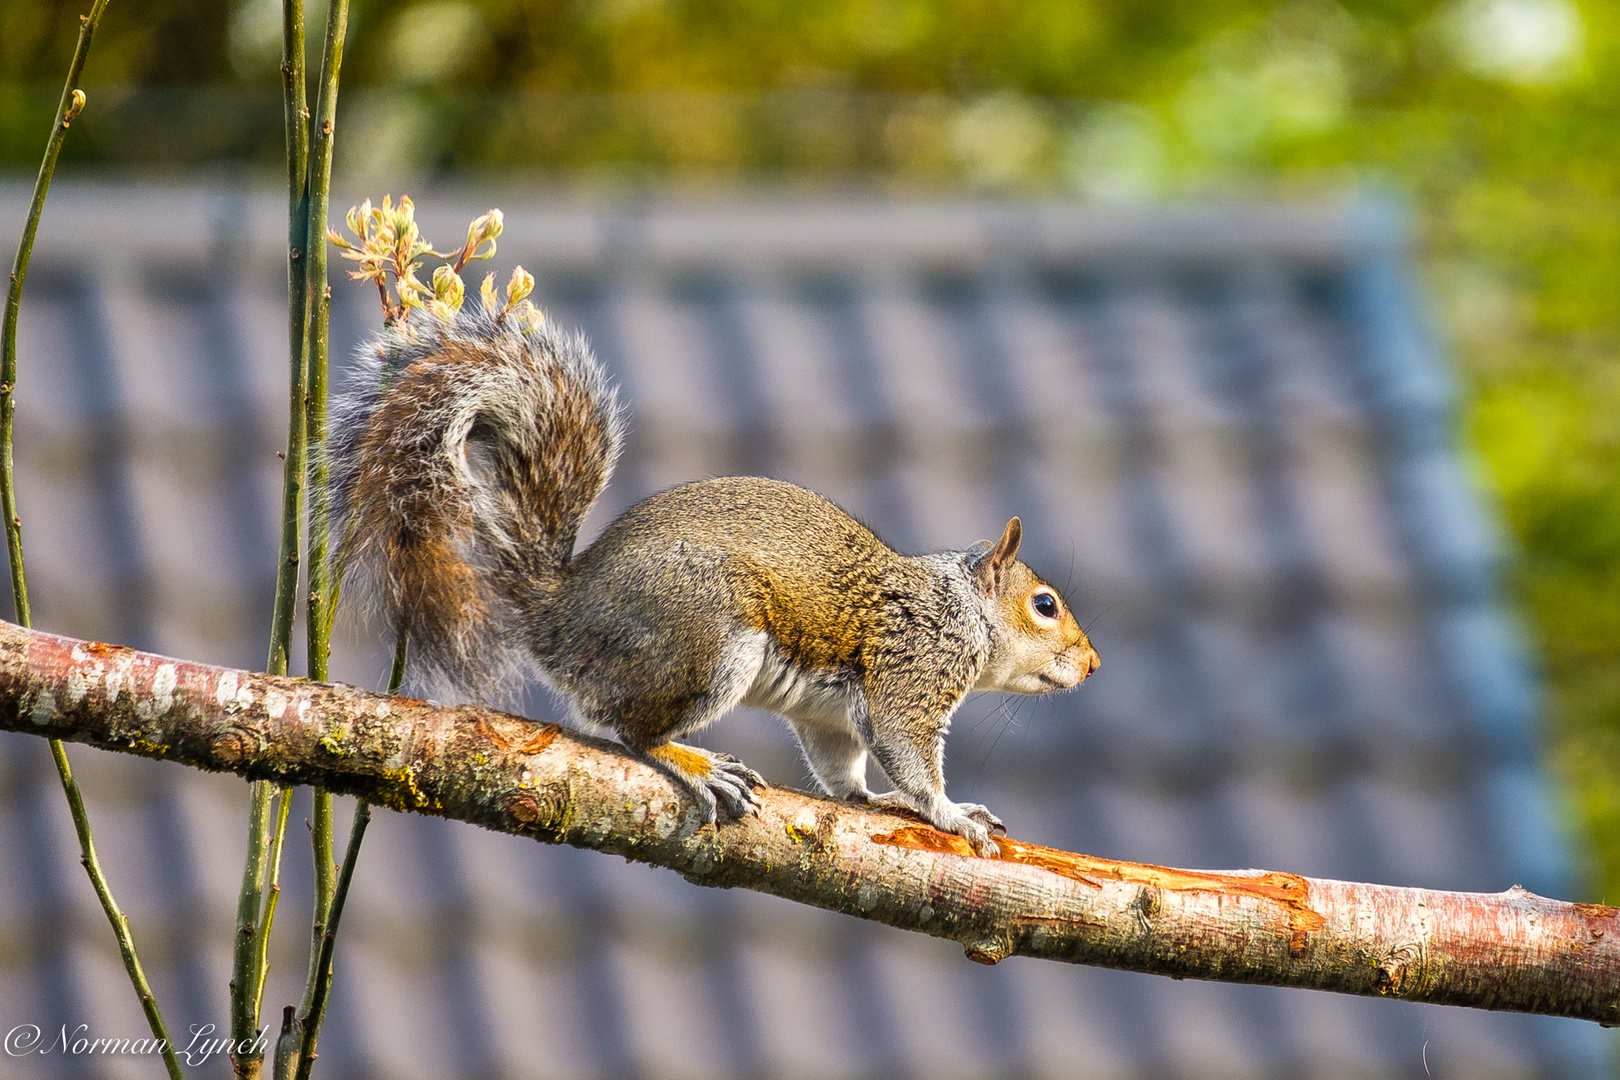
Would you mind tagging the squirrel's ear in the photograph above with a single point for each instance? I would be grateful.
(987, 569)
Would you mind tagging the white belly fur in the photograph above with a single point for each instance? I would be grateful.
(800, 693)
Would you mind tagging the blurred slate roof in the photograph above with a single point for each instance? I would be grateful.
(1227, 433)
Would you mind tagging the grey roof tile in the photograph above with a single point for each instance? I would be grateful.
(1071, 1025)
(539, 1020)
(400, 1023)
(817, 426)
(672, 1023)
(681, 426)
(936, 1008)
(1360, 1038)
(1464, 1043)
(808, 989)
(1206, 1031)
(1331, 479)
(1423, 836)
(1297, 822)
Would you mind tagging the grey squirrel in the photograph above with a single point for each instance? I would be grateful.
(462, 465)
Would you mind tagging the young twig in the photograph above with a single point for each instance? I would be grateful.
(316, 1012)
(250, 927)
(310, 1029)
(262, 945)
(317, 301)
(390, 247)
(288, 1043)
(115, 915)
(402, 648)
(317, 311)
(254, 910)
(293, 468)
(320, 838)
(67, 111)
(72, 103)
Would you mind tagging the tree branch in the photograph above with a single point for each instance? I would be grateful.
(1512, 950)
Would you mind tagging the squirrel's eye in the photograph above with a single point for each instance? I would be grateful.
(1045, 605)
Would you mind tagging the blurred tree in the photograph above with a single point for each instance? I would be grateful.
(1496, 115)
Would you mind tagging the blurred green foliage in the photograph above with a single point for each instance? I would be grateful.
(1497, 116)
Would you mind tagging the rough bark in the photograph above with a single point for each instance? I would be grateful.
(1512, 950)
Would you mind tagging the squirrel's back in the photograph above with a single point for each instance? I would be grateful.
(463, 462)
(782, 558)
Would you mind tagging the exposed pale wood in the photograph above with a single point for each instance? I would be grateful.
(1511, 950)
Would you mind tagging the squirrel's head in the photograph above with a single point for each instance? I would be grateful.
(1037, 647)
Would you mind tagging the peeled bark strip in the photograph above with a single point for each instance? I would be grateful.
(1512, 950)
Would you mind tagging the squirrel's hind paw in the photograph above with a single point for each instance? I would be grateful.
(733, 783)
(710, 777)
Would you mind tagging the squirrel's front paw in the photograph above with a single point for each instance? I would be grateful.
(970, 821)
(982, 816)
(964, 819)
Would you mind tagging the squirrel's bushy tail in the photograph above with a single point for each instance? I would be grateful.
(462, 464)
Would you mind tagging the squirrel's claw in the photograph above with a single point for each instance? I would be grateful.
(733, 783)
(972, 823)
(982, 816)
(976, 834)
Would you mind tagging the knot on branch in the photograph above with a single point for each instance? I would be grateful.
(538, 811)
(988, 951)
(232, 747)
(1399, 972)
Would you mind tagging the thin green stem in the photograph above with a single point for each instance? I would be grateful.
(306, 1029)
(309, 1024)
(67, 110)
(402, 648)
(253, 932)
(115, 916)
(320, 835)
(249, 927)
(288, 1044)
(294, 464)
(317, 298)
(317, 317)
(317, 1007)
(262, 945)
